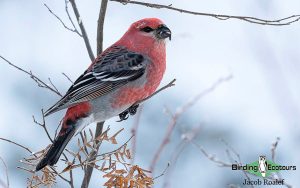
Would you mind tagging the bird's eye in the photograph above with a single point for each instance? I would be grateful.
(147, 29)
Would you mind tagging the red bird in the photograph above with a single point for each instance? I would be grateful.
(126, 72)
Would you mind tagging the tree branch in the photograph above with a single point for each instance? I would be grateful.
(177, 114)
(6, 172)
(43, 124)
(60, 20)
(89, 168)
(68, 78)
(274, 147)
(39, 82)
(82, 28)
(69, 16)
(277, 22)
(100, 26)
(134, 132)
(21, 146)
(222, 163)
(170, 84)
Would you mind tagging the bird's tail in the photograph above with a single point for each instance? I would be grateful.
(58, 146)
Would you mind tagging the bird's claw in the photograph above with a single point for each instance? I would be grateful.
(130, 111)
(123, 116)
(133, 109)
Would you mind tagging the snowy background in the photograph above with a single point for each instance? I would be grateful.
(260, 103)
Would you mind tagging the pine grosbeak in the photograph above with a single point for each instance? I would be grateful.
(126, 72)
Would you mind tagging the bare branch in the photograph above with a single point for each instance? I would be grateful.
(89, 169)
(82, 28)
(165, 141)
(67, 77)
(69, 16)
(172, 83)
(163, 172)
(66, 180)
(39, 82)
(25, 169)
(186, 138)
(134, 132)
(202, 94)
(71, 182)
(92, 156)
(60, 20)
(178, 113)
(238, 160)
(277, 22)
(6, 172)
(274, 147)
(21, 146)
(83, 140)
(43, 124)
(101, 18)
(53, 86)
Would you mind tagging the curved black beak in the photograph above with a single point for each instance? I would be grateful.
(163, 32)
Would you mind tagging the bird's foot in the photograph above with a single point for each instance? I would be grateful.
(130, 111)
(123, 116)
(133, 109)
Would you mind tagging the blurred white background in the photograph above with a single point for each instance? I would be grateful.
(260, 103)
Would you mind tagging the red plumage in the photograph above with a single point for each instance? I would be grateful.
(128, 71)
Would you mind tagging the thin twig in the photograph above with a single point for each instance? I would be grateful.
(33, 77)
(63, 178)
(60, 20)
(92, 156)
(164, 142)
(203, 93)
(99, 129)
(53, 86)
(6, 172)
(278, 22)
(134, 132)
(274, 147)
(25, 169)
(178, 113)
(83, 31)
(113, 151)
(239, 161)
(43, 124)
(67, 77)
(225, 164)
(186, 138)
(83, 138)
(21, 146)
(69, 16)
(170, 84)
(211, 157)
(163, 172)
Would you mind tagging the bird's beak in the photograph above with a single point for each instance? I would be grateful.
(163, 32)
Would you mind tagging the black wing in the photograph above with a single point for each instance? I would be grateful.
(113, 69)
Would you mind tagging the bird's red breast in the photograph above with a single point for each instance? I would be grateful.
(155, 72)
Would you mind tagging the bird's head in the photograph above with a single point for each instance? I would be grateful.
(149, 29)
